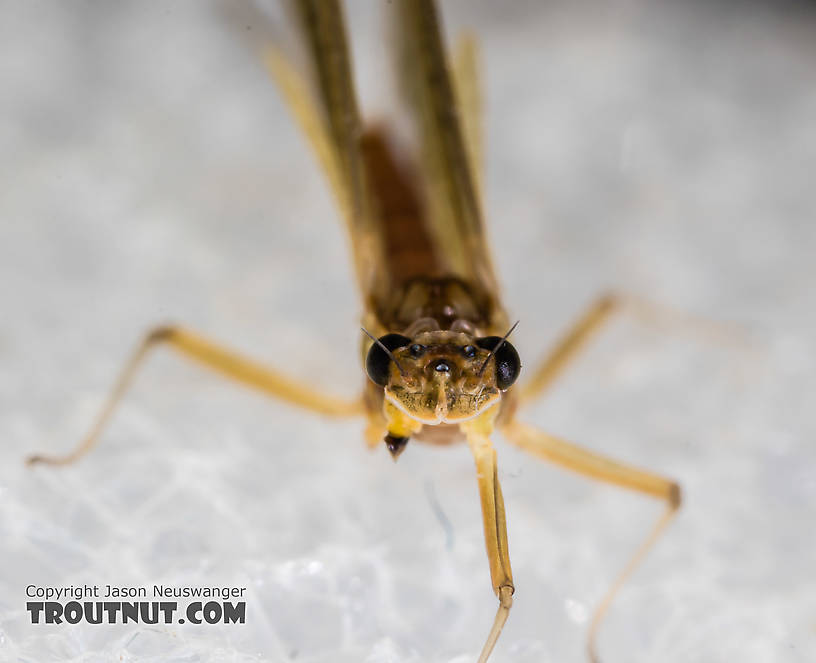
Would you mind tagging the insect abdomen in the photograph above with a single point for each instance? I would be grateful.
(399, 211)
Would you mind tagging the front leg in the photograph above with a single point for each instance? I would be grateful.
(477, 432)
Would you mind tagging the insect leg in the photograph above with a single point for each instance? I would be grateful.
(220, 360)
(600, 467)
(495, 527)
(569, 346)
(599, 312)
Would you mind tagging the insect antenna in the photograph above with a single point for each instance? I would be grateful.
(387, 351)
(495, 349)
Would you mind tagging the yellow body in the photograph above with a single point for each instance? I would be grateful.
(424, 271)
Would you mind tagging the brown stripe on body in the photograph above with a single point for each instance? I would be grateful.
(399, 210)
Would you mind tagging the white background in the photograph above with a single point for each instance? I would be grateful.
(149, 173)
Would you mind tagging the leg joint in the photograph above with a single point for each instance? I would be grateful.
(675, 495)
(609, 301)
(160, 334)
(506, 595)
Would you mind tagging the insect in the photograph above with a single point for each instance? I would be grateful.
(435, 339)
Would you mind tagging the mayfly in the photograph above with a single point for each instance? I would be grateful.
(435, 339)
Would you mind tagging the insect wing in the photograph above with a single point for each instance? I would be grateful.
(324, 103)
(449, 141)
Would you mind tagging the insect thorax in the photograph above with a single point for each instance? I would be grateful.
(448, 301)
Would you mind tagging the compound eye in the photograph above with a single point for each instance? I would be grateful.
(378, 362)
(508, 362)
(417, 350)
(469, 351)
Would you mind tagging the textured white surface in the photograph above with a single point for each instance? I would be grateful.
(149, 173)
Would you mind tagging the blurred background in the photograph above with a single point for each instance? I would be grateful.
(149, 173)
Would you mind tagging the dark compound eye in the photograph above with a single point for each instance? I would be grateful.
(378, 361)
(508, 362)
(416, 350)
(469, 351)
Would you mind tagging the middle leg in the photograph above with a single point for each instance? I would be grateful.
(596, 466)
(225, 362)
(598, 314)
